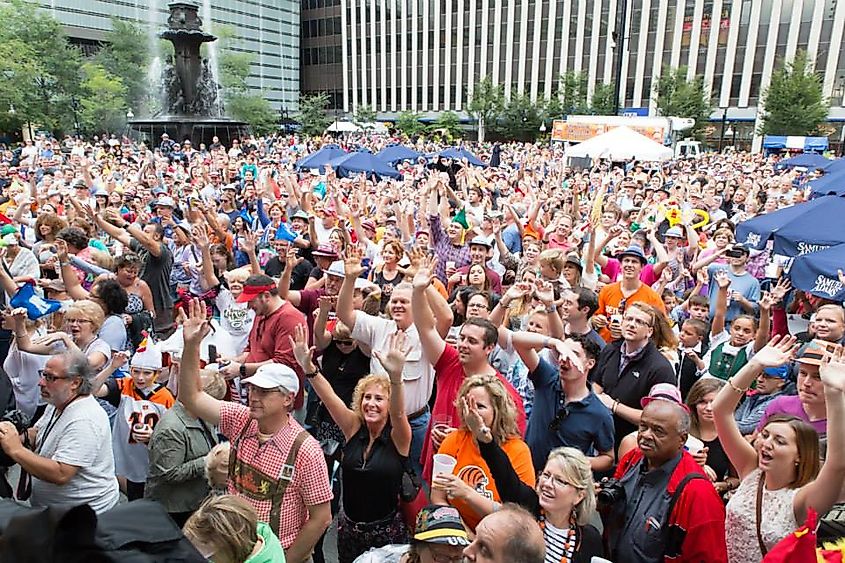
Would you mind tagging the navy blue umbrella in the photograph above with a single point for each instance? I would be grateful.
(459, 153)
(834, 165)
(818, 228)
(817, 273)
(392, 154)
(320, 158)
(807, 160)
(755, 232)
(833, 182)
(357, 162)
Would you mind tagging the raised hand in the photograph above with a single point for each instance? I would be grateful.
(722, 279)
(196, 326)
(303, 354)
(702, 277)
(566, 354)
(544, 292)
(780, 290)
(777, 352)
(425, 272)
(327, 302)
(249, 242)
(767, 301)
(61, 250)
(292, 258)
(393, 361)
(352, 262)
(832, 369)
(200, 236)
(517, 291)
(473, 420)
(119, 359)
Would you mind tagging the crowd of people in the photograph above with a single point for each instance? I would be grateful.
(523, 361)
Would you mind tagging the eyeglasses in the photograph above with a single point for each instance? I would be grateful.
(561, 415)
(261, 391)
(637, 321)
(344, 342)
(50, 378)
(556, 481)
(80, 321)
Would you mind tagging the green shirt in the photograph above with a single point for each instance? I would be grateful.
(272, 551)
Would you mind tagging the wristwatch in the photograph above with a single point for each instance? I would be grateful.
(313, 374)
(243, 370)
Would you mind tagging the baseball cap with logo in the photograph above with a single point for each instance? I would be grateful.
(440, 524)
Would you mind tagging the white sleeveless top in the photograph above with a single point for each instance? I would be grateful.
(777, 519)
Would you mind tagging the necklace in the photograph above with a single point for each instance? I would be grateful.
(570, 544)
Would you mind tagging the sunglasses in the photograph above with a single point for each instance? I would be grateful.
(561, 415)
(344, 342)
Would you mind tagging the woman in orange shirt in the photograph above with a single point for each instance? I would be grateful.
(471, 488)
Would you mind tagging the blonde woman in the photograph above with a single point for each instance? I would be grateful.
(472, 488)
(225, 529)
(378, 439)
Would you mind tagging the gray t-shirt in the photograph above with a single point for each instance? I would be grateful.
(156, 272)
(78, 436)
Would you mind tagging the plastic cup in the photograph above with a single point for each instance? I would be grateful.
(444, 464)
(450, 264)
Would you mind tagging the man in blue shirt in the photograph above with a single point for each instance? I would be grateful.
(566, 412)
(744, 289)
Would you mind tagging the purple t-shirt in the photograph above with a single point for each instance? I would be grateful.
(791, 404)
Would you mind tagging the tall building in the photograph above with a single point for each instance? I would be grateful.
(266, 29)
(321, 54)
(426, 55)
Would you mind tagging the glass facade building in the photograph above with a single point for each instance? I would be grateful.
(266, 29)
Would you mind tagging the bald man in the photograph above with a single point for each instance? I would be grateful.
(509, 535)
(643, 527)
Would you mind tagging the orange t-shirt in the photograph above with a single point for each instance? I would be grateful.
(473, 470)
(610, 297)
(161, 396)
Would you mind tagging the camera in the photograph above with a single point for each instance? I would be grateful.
(610, 492)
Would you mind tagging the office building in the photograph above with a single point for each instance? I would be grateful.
(426, 55)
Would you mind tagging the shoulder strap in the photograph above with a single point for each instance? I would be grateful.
(287, 469)
(677, 494)
(759, 509)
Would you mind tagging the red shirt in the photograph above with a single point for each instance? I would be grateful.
(268, 340)
(449, 375)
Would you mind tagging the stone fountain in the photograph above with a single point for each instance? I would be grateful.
(191, 99)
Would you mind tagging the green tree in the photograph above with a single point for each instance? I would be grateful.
(240, 101)
(602, 102)
(793, 103)
(448, 122)
(678, 97)
(408, 122)
(486, 104)
(103, 105)
(312, 117)
(50, 77)
(520, 119)
(572, 91)
(364, 114)
(125, 52)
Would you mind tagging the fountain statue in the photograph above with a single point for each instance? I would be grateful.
(191, 100)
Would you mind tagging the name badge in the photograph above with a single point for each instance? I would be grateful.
(286, 473)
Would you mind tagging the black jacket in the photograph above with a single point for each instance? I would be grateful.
(645, 370)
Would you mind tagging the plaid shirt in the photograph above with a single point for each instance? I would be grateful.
(310, 484)
(445, 250)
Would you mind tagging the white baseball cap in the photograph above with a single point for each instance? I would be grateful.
(270, 376)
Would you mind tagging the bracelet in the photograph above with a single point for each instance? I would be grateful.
(614, 406)
(551, 309)
(312, 375)
(735, 388)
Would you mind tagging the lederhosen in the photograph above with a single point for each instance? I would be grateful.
(254, 484)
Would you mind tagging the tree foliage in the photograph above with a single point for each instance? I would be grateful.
(312, 117)
(364, 114)
(103, 107)
(603, 102)
(520, 118)
(678, 97)
(486, 104)
(239, 101)
(125, 55)
(449, 123)
(41, 70)
(572, 92)
(794, 103)
(409, 124)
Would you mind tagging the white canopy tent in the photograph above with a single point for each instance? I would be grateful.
(621, 143)
(343, 127)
